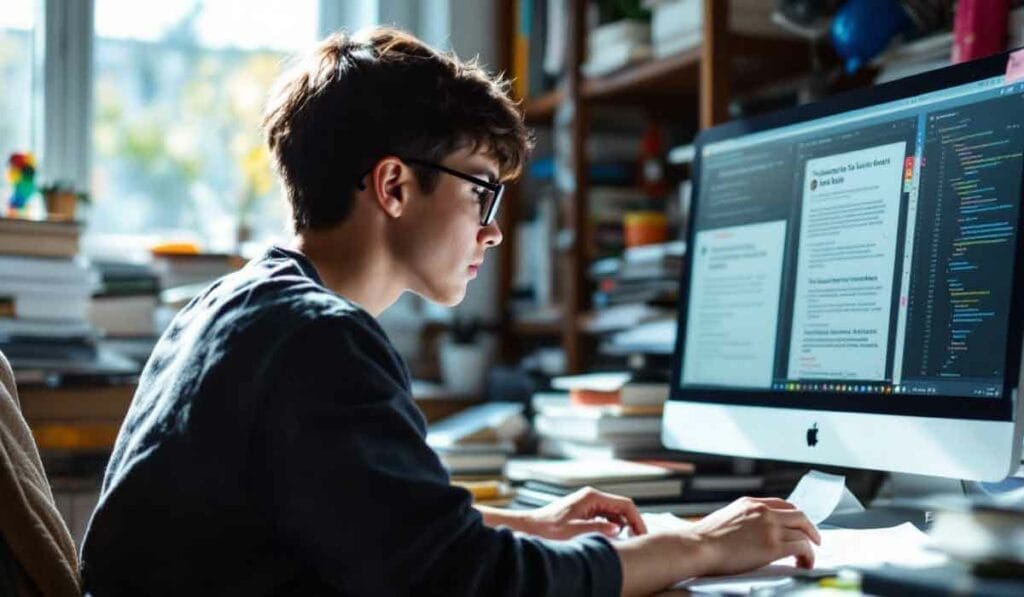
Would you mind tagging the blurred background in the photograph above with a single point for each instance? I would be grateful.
(137, 174)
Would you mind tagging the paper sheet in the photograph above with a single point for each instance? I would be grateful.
(840, 548)
(821, 495)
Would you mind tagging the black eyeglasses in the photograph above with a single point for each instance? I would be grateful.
(490, 195)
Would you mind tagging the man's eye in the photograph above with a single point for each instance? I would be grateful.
(481, 194)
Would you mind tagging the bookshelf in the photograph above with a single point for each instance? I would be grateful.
(695, 84)
(541, 110)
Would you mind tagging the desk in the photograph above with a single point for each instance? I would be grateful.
(78, 418)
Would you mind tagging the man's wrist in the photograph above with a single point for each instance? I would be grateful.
(696, 551)
(517, 520)
(655, 562)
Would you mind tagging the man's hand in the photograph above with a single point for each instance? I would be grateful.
(585, 511)
(745, 535)
(752, 532)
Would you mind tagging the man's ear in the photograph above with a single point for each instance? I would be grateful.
(390, 182)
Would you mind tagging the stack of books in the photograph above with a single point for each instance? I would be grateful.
(543, 481)
(615, 45)
(125, 308)
(192, 269)
(45, 295)
(663, 486)
(475, 443)
(601, 415)
(646, 274)
(676, 25)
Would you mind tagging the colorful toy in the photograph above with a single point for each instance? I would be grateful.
(863, 28)
(21, 173)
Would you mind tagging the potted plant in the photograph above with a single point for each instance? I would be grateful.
(62, 200)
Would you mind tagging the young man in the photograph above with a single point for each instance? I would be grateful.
(273, 447)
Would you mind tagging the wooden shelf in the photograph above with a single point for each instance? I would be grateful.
(541, 110)
(537, 329)
(662, 78)
(755, 62)
(691, 87)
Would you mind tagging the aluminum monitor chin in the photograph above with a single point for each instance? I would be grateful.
(853, 292)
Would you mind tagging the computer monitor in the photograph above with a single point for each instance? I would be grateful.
(852, 294)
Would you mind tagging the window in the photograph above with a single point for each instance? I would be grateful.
(17, 67)
(178, 93)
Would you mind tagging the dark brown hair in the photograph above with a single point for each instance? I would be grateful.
(382, 92)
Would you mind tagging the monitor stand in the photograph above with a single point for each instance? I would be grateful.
(902, 498)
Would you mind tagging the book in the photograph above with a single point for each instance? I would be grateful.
(127, 278)
(979, 29)
(638, 490)
(124, 315)
(644, 393)
(468, 460)
(493, 422)
(681, 509)
(612, 46)
(601, 382)
(12, 328)
(578, 473)
(657, 337)
(39, 238)
(43, 270)
(554, 404)
(625, 447)
(622, 317)
(49, 306)
(46, 287)
(175, 270)
(627, 389)
(599, 426)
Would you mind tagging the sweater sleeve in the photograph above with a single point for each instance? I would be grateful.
(356, 493)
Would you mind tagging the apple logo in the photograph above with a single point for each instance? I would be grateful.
(812, 435)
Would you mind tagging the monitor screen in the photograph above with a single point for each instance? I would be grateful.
(860, 259)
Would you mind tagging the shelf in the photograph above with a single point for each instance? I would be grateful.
(756, 61)
(541, 109)
(662, 78)
(538, 329)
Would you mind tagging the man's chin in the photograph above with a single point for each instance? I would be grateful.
(450, 298)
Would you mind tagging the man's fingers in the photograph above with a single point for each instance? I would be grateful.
(608, 529)
(802, 550)
(793, 535)
(795, 519)
(777, 503)
(613, 506)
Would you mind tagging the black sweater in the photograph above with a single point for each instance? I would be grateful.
(273, 448)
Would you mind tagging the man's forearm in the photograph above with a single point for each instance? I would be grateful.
(650, 563)
(655, 562)
(497, 517)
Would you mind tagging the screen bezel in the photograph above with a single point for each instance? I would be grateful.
(942, 406)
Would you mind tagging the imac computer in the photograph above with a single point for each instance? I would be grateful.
(853, 290)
